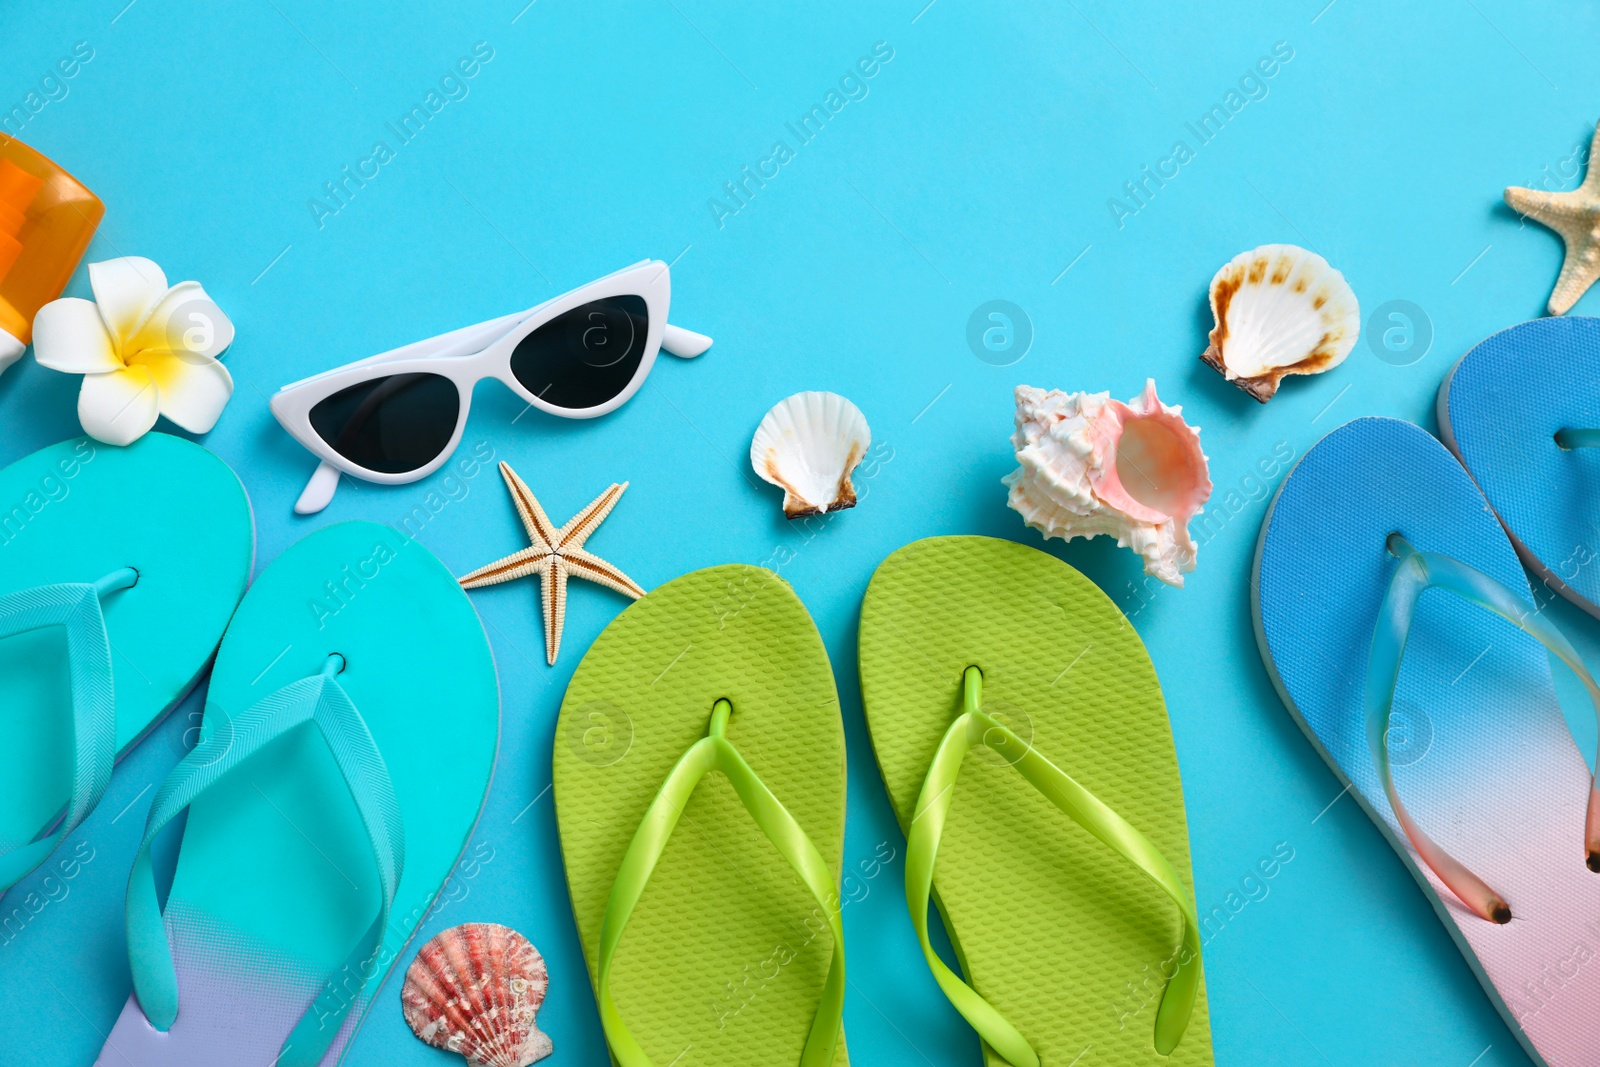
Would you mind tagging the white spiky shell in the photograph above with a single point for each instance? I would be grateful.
(808, 445)
(1089, 465)
(1279, 310)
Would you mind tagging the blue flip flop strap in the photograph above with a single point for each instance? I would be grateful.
(716, 752)
(75, 607)
(321, 700)
(974, 728)
(1586, 437)
(1416, 573)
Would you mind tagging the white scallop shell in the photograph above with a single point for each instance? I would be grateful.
(807, 445)
(1279, 310)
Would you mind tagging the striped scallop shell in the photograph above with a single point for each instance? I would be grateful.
(474, 990)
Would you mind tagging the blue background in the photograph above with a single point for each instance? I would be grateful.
(978, 167)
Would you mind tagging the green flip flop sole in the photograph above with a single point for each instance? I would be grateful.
(727, 952)
(1066, 938)
(76, 512)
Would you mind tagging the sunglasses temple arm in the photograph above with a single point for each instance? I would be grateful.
(319, 491)
(685, 344)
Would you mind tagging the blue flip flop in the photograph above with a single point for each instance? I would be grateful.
(1522, 412)
(119, 570)
(1400, 631)
(345, 754)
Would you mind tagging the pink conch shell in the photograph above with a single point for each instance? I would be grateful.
(474, 990)
(1091, 465)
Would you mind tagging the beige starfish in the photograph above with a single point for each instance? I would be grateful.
(555, 555)
(1576, 217)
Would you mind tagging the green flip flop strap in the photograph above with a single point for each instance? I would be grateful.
(1418, 572)
(74, 606)
(974, 727)
(321, 700)
(715, 752)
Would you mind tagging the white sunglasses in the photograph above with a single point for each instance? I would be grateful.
(397, 417)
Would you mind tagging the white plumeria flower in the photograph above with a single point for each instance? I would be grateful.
(143, 348)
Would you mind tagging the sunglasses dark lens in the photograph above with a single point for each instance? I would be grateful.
(391, 425)
(586, 356)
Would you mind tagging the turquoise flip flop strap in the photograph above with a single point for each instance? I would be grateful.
(75, 607)
(321, 700)
(1418, 572)
(972, 728)
(715, 752)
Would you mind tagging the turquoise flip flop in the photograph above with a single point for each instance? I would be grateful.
(1522, 413)
(311, 855)
(135, 556)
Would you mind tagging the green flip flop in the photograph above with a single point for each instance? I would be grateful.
(349, 736)
(721, 940)
(1061, 845)
(119, 570)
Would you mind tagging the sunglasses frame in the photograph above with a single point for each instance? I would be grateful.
(468, 356)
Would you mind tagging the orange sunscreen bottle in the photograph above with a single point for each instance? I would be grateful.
(46, 220)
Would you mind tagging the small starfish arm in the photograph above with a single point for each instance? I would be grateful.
(597, 570)
(541, 531)
(581, 525)
(1579, 270)
(553, 592)
(1578, 223)
(517, 565)
(1554, 210)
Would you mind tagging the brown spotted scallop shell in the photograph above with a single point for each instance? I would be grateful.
(1279, 310)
